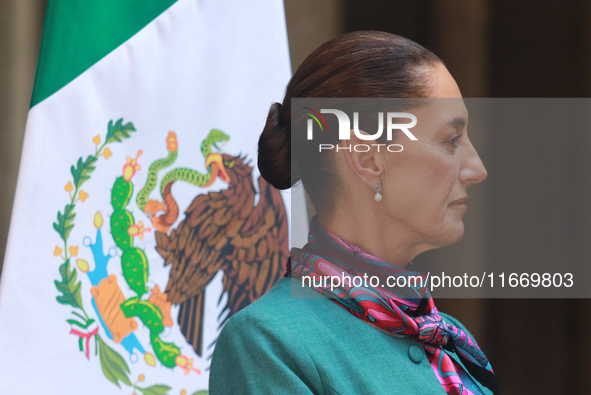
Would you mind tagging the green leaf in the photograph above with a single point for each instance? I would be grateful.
(82, 171)
(78, 324)
(79, 316)
(114, 367)
(155, 390)
(68, 286)
(65, 222)
(118, 131)
(202, 392)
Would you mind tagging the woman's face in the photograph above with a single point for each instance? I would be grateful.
(422, 183)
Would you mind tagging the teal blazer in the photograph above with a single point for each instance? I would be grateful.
(308, 345)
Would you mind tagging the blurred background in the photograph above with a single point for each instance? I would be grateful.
(493, 49)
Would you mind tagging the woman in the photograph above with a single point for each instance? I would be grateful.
(376, 211)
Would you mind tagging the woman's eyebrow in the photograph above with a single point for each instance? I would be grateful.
(458, 121)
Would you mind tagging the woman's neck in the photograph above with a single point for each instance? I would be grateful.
(386, 240)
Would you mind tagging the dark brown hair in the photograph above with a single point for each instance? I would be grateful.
(362, 64)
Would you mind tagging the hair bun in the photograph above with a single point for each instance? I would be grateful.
(274, 152)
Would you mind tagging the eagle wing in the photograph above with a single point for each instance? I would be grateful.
(260, 248)
(222, 230)
(195, 250)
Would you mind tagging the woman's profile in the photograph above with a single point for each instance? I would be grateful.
(376, 211)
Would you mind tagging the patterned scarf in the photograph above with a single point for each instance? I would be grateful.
(404, 311)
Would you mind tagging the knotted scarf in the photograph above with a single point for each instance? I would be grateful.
(404, 310)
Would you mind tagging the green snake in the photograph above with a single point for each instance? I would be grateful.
(179, 174)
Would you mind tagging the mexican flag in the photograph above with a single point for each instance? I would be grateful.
(140, 222)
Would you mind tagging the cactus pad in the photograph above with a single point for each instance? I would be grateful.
(145, 311)
(165, 352)
(134, 264)
(121, 220)
(121, 193)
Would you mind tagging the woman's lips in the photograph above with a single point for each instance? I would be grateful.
(460, 203)
(460, 200)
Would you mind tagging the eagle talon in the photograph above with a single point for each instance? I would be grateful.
(159, 225)
(153, 207)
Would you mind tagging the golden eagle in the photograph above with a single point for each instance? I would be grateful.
(225, 231)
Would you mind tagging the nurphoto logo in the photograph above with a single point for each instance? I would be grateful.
(392, 119)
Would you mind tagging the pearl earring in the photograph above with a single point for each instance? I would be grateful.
(377, 197)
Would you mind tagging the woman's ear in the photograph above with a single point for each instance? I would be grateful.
(364, 158)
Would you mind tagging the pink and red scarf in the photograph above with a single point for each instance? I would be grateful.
(403, 311)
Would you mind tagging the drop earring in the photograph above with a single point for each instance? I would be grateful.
(377, 197)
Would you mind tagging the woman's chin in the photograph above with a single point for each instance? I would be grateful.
(455, 232)
(451, 233)
(459, 232)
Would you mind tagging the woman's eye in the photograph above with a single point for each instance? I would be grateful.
(454, 140)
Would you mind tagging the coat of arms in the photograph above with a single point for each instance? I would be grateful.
(221, 230)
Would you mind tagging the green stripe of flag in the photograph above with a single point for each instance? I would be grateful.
(78, 33)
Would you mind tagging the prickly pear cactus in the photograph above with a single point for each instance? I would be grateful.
(145, 311)
(135, 267)
(165, 352)
(121, 220)
(121, 193)
(135, 270)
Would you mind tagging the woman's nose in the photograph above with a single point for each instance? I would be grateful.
(473, 170)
